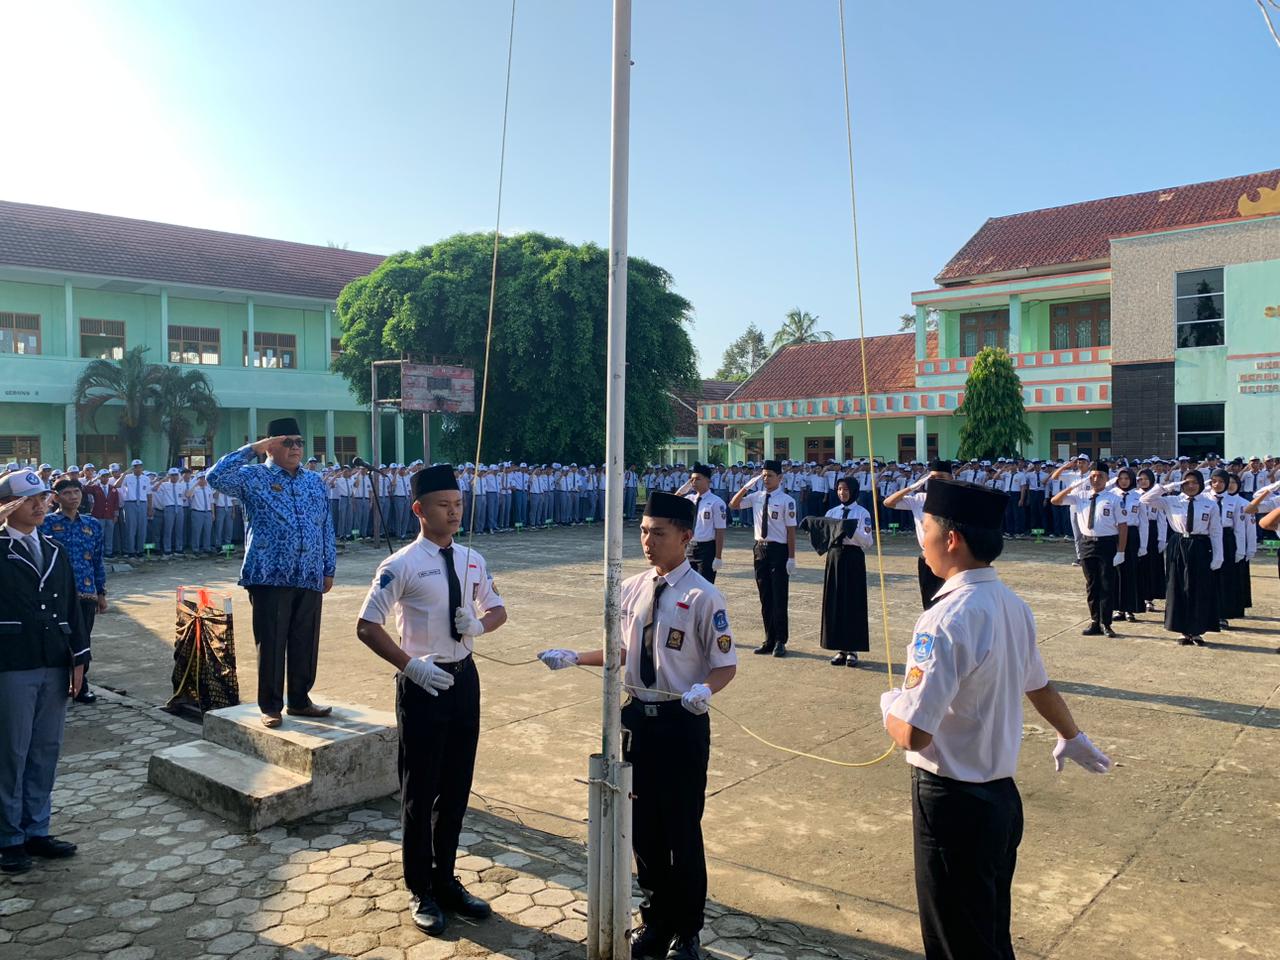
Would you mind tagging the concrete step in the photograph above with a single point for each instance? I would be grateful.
(352, 752)
(244, 790)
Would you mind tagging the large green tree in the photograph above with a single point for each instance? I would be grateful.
(744, 356)
(993, 412)
(800, 326)
(547, 376)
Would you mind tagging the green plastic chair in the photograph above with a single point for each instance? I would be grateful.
(148, 549)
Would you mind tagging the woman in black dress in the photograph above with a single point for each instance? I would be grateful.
(841, 535)
(1155, 532)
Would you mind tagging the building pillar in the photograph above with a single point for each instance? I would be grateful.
(768, 441)
(329, 446)
(253, 424)
(328, 337)
(922, 333)
(399, 438)
(922, 438)
(248, 350)
(702, 443)
(69, 293)
(839, 439)
(164, 321)
(69, 427)
(1015, 323)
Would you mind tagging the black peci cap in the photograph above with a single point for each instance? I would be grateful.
(283, 427)
(703, 469)
(667, 506)
(941, 466)
(434, 479)
(774, 465)
(968, 503)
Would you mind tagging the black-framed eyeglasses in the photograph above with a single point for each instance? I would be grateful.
(292, 443)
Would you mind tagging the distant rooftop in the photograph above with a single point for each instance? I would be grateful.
(834, 368)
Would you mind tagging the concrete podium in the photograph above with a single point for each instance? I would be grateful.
(255, 777)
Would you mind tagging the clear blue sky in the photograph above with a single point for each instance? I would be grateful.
(377, 124)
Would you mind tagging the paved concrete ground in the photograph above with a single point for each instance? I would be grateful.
(1173, 855)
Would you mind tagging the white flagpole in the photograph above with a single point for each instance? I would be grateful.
(611, 907)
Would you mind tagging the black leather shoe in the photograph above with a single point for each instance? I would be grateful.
(14, 859)
(1092, 630)
(685, 948)
(51, 848)
(453, 896)
(764, 649)
(1108, 631)
(1188, 642)
(427, 916)
(839, 659)
(86, 695)
(780, 650)
(851, 660)
(648, 941)
(1198, 641)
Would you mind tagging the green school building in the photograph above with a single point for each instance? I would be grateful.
(1140, 325)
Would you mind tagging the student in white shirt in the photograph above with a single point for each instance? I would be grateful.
(774, 552)
(1104, 533)
(1194, 553)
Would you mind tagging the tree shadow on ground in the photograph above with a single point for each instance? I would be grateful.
(1246, 714)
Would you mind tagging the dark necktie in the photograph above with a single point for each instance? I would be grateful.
(697, 503)
(1093, 509)
(764, 517)
(1191, 515)
(844, 515)
(648, 669)
(455, 590)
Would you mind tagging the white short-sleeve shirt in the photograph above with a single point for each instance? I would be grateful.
(972, 658)
(412, 584)
(710, 515)
(782, 514)
(1108, 513)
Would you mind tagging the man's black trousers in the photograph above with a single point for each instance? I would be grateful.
(286, 622)
(701, 556)
(668, 755)
(966, 848)
(438, 738)
(1096, 554)
(772, 582)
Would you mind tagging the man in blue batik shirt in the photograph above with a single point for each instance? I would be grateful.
(289, 561)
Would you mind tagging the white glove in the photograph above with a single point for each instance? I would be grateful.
(1080, 749)
(1117, 560)
(886, 702)
(1216, 566)
(427, 675)
(1142, 551)
(558, 659)
(1239, 556)
(697, 699)
(467, 623)
(717, 563)
(791, 566)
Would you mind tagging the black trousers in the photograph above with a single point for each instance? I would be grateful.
(1096, 554)
(930, 583)
(438, 739)
(966, 849)
(286, 629)
(88, 610)
(701, 555)
(772, 582)
(668, 754)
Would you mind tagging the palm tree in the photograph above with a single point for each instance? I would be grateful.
(182, 399)
(130, 382)
(799, 328)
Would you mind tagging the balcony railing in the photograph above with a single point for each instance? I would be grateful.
(1021, 361)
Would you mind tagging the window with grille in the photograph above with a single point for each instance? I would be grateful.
(23, 450)
(100, 449)
(907, 447)
(195, 345)
(276, 351)
(20, 333)
(1199, 308)
(101, 339)
(988, 328)
(344, 448)
(1079, 325)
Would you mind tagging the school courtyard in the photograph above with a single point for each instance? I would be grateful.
(1176, 854)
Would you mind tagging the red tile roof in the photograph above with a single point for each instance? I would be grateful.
(834, 368)
(50, 238)
(1080, 232)
(710, 391)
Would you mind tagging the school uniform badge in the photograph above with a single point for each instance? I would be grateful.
(922, 648)
(721, 620)
(675, 639)
(385, 579)
(914, 676)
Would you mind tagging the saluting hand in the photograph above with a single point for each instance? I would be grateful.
(1080, 749)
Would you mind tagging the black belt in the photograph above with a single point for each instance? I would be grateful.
(1112, 536)
(659, 709)
(457, 666)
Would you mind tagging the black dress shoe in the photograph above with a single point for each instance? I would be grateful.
(453, 896)
(780, 650)
(14, 859)
(852, 660)
(648, 941)
(1108, 631)
(427, 916)
(1198, 641)
(685, 948)
(1092, 630)
(51, 848)
(86, 695)
(839, 659)
(1188, 642)
(764, 649)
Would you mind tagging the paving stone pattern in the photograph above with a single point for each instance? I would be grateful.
(156, 878)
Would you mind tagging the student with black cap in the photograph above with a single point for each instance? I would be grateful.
(706, 549)
(442, 597)
(774, 552)
(1194, 553)
(678, 652)
(290, 558)
(1103, 524)
(912, 498)
(972, 658)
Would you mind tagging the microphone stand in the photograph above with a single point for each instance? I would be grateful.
(377, 504)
